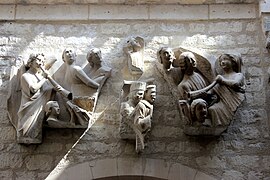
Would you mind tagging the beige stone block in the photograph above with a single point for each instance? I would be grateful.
(130, 166)
(7, 12)
(156, 168)
(265, 6)
(104, 168)
(178, 171)
(118, 12)
(203, 176)
(80, 171)
(232, 11)
(39, 162)
(179, 12)
(7, 1)
(52, 12)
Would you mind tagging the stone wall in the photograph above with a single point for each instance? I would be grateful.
(240, 153)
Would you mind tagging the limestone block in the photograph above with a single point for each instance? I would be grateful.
(179, 12)
(7, 12)
(114, 28)
(104, 168)
(7, 133)
(25, 175)
(252, 116)
(118, 12)
(266, 162)
(154, 147)
(130, 166)
(211, 162)
(6, 175)
(39, 162)
(177, 170)
(156, 168)
(265, 6)
(169, 27)
(252, 26)
(232, 11)
(245, 161)
(255, 71)
(166, 131)
(147, 28)
(81, 171)
(250, 132)
(227, 27)
(50, 148)
(52, 12)
(256, 84)
(10, 160)
(197, 27)
(203, 176)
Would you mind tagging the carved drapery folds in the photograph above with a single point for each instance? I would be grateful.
(136, 111)
(65, 100)
(208, 91)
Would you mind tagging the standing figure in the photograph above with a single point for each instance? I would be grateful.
(127, 109)
(230, 90)
(143, 116)
(36, 92)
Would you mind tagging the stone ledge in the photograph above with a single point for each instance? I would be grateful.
(265, 6)
(127, 12)
(232, 11)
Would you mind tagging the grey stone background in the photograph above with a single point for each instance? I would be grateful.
(240, 153)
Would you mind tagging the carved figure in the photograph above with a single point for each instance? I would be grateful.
(230, 89)
(135, 51)
(36, 92)
(199, 111)
(143, 115)
(192, 80)
(132, 93)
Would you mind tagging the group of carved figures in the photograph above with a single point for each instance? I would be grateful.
(207, 101)
(66, 101)
(208, 92)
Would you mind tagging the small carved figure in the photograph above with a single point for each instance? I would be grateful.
(52, 111)
(36, 92)
(135, 51)
(143, 115)
(199, 111)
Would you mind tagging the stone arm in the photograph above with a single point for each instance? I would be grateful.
(85, 79)
(235, 83)
(27, 83)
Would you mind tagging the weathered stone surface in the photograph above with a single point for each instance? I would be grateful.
(211, 162)
(244, 161)
(6, 175)
(25, 175)
(230, 175)
(39, 162)
(11, 160)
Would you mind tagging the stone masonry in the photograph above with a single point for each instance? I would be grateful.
(213, 26)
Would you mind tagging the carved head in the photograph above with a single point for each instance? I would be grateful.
(166, 57)
(137, 91)
(187, 62)
(134, 44)
(69, 56)
(199, 110)
(229, 61)
(35, 61)
(94, 56)
(150, 93)
(52, 108)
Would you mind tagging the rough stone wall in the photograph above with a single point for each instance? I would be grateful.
(240, 153)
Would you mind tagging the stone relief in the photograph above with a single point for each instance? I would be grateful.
(136, 111)
(68, 102)
(267, 34)
(208, 91)
(134, 49)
